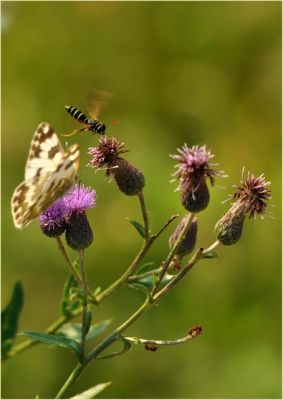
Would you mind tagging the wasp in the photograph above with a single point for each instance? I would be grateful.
(96, 100)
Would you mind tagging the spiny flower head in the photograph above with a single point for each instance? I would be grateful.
(107, 153)
(249, 200)
(253, 193)
(79, 199)
(192, 170)
(194, 163)
(52, 221)
(130, 180)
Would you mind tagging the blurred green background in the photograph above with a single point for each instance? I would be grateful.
(195, 72)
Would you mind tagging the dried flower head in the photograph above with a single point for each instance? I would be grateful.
(107, 153)
(52, 221)
(250, 200)
(192, 170)
(129, 179)
(253, 193)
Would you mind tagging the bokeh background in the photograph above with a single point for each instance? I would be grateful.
(195, 72)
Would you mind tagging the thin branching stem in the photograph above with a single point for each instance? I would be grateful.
(71, 266)
(84, 314)
(167, 288)
(165, 264)
(112, 337)
(101, 296)
(145, 216)
(193, 332)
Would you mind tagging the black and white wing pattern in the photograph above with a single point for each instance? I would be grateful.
(49, 172)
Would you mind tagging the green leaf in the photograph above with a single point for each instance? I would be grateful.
(148, 282)
(211, 254)
(54, 340)
(146, 267)
(10, 318)
(74, 330)
(126, 347)
(92, 392)
(139, 228)
(67, 306)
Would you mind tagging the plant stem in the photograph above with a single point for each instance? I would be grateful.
(100, 297)
(123, 278)
(145, 216)
(212, 247)
(172, 252)
(84, 316)
(112, 337)
(167, 288)
(71, 266)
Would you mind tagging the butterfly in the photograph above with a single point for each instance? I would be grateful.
(49, 172)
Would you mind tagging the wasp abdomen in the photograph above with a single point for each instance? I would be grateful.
(77, 114)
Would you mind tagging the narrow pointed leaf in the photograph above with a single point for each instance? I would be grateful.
(140, 228)
(146, 284)
(126, 347)
(211, 254)
(54, 340)
(92, 392)
(10, 318)
(74, 330)
(146, 267)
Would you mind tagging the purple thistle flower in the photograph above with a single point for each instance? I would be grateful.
(250, 199)
(194, 163)
(192, 170)
(79, 199)
(129, 179)
(52, 220)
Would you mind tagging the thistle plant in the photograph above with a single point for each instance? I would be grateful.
(66, 221)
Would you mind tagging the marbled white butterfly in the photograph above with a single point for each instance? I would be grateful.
(49, 172)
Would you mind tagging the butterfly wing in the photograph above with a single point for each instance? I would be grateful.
(49, 173)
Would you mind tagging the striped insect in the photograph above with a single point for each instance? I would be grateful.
(96, 100)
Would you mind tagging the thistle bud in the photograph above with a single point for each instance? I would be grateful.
(197, 199)
(78, 232)
(250, 200)
(192, 170)
(52, 221)
(129, 179)
(189, 242)
(229, 228)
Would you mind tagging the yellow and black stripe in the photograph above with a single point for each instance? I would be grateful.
(77, 114)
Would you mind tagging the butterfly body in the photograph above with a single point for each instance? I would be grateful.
(92, 125)
(49, 172)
